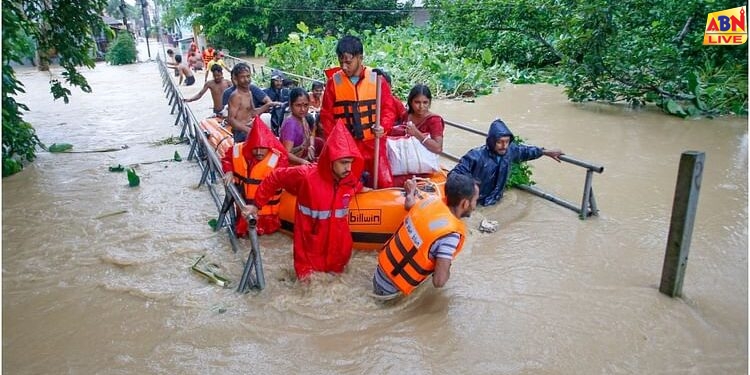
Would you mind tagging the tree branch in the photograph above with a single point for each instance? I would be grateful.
(678, 39)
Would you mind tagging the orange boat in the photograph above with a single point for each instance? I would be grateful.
(374, 215)
(218, 135)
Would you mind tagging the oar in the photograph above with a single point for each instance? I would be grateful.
(378, 99)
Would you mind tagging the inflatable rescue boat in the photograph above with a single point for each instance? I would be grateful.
(373, 215)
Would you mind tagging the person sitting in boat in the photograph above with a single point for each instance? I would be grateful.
(322, 238)
(242, 111)
(417, 121)
(297, 134)
(316, 96)
(277, 93)
(428, 240)
(216, 86)
(490, 164)
(259, 96)
(247, 164)
(350, 96)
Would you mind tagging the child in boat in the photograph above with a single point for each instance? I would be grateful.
(297, 134)
(247, 165)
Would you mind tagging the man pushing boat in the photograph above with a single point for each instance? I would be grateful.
(322, 238)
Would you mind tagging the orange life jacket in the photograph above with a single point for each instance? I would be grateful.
(250, 179)
(405, 257)
(208, 55)
(355, 104)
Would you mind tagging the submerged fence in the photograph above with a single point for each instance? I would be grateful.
(225, 196)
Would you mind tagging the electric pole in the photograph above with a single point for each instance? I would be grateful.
(144, 5)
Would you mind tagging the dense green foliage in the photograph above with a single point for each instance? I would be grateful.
(331, 17)
(123, 50)
(633, 51)
(63, 27)
(407, 54)
(238, 25)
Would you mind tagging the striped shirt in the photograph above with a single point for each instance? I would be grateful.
(443, 248)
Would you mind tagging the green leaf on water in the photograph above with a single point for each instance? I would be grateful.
(133, 179)
(213, 223)
(117, 168)
(177, 156)
(62, 147)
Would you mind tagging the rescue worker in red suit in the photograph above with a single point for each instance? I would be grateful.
(350, 96)
(322, 238)
(247, 164)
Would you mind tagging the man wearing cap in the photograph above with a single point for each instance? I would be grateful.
(277, 93)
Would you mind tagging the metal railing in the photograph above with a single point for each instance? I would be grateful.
(202, 152)
(588, 205)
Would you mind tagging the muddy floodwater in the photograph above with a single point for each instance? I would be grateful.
(96, 275)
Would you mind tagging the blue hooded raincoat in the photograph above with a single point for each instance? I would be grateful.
(491, 169)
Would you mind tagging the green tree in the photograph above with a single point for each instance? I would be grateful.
(634, 51)
(234, 24)
(70, 39)
(123, 50)
(334, 16)
(114, 10)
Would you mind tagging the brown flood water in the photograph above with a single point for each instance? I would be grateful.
(546, 294)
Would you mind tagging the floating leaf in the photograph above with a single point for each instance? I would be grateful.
(213, 223)
(133, 179)
(177, 156)
(62, 147)
(112, 214)
(117, 168)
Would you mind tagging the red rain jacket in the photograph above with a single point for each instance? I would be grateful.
(322, 239)
(260, 136)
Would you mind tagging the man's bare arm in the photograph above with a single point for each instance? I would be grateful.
(199, 94)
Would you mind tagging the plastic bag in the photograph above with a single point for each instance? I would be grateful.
(408, 156)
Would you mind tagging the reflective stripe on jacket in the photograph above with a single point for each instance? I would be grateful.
(250, 179)
(355, 104)
(405, 258)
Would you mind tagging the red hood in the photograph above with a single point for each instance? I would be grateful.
(261, 136)
(340, 144)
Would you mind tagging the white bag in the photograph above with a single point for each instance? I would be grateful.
(408, 156)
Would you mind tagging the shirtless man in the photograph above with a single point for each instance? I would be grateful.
(242, 111)
(217, 87)
(184, 71)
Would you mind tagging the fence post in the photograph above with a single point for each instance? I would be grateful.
(687, 190)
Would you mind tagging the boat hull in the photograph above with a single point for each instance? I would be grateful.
(373, 215)
(218, 135)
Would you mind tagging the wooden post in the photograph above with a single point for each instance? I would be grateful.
(685, 204)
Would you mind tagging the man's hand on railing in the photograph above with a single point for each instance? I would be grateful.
(228, 178)
(249, 211)
(553, 153)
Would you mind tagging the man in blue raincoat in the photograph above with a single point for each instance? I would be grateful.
(490, 164)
